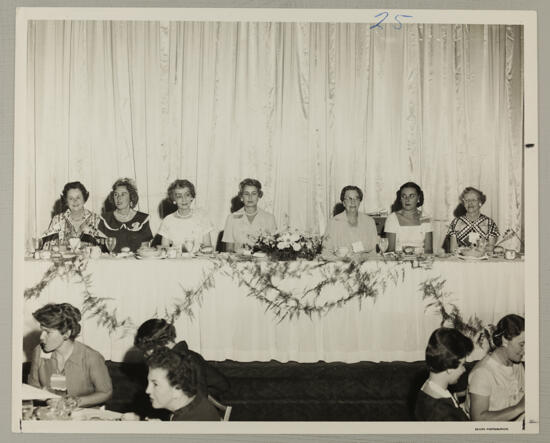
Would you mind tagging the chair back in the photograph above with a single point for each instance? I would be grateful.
(225, 411)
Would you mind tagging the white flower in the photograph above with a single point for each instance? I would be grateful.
(294, 237)
(296, 246)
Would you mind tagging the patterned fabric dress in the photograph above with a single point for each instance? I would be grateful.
(61, 229)
(461, 227)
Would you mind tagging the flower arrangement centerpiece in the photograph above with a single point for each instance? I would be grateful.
(288, 245)
(508, 235)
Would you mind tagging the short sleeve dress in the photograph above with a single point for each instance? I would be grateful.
(407, 235)
(464, 229)
(128, 234)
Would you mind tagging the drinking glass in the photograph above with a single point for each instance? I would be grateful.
(383, 244)
(110, 243)
(189, 244)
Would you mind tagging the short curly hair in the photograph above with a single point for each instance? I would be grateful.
(397, 205)
(180, 184)
(130, 185)
(181, 371)
(74, 185)
(461, 209)
(63, 317)
(153, 334)
(446, 347)
(351, 188)
(509, 326)
(250, 182)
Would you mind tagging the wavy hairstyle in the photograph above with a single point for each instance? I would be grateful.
(397, 205)
(250, 182)
(460, 210)
(351, 188)
(181, 184)
(63, 317)
(509, 326)
(446, 347)
(154, 333)
(130, 185)
(181, 371)
(74, 185)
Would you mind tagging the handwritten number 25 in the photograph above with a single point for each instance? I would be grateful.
(385, 15)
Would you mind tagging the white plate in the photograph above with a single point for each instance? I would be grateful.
(151, 257)
(94, 414)
(465, 257)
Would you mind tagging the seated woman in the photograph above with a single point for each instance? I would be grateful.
(172, 384)
(157, 333)
(128, 226)
(496, 385)
(406, 226)
(351, 231)
(185, 227)
(445, 357)
(245, 225)
(76, 221)
(470, 225)
(60, 363)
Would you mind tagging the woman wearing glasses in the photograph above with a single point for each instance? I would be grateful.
(350, 233)
(406, 225)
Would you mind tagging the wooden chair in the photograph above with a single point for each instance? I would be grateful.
(225, 410)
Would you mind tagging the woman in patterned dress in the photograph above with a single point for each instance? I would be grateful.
(470, 225)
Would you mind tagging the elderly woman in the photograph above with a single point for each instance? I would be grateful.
(406, 226)
(172, 384)
(445, 357)
(351, 231)
(245, 225)
(157, 333)
(470, 225)
(496, 385)
(61, 363)
(128, 226)
(185, 227)
(76, 221)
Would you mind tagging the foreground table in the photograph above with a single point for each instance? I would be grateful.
(249, 310)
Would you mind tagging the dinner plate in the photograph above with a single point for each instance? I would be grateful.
(151, 257)
(465, 257)
(94, 414)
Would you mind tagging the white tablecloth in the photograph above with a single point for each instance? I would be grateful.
(229, 323)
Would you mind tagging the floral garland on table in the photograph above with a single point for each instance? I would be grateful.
(259, 277)
(433, 290)
(95, 306)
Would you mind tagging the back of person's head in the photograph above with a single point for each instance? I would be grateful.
(446, 347)
(153, 334)
(63, 317)
(181, 371)
(508, 327)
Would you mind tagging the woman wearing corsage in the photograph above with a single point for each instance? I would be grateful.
(186, 227)
(470, 226)
(76, 221)
(350, 233)
(128, 226)
(245, 225)
(406, 225)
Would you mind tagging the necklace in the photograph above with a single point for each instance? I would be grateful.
(251, 214)
(183, 215)
(124, 217)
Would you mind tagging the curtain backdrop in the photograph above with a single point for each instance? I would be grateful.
(306, 108)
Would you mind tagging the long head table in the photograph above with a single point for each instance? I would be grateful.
(226, 308)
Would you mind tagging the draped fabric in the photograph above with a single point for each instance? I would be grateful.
(306, 108)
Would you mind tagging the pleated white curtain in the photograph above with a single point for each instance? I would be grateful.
(306, 108)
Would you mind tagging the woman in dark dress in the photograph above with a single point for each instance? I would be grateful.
(172, 384)
(445, 356)
(129, 226)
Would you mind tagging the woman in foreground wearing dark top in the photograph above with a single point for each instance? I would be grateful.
(172, 384)
(445, 356)
(128, 226)
(157, 333)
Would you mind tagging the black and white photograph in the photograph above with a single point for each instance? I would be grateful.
(275, 220)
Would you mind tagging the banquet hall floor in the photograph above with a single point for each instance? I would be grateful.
(274, 391)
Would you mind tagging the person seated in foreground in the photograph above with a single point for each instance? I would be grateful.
(172, 384)
(496, 385)
(62, 364)
(157, 333)
(243, 227)
(445, 357)
(407, 226)
(350, 233)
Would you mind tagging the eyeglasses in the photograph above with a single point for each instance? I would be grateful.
(473, 200)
